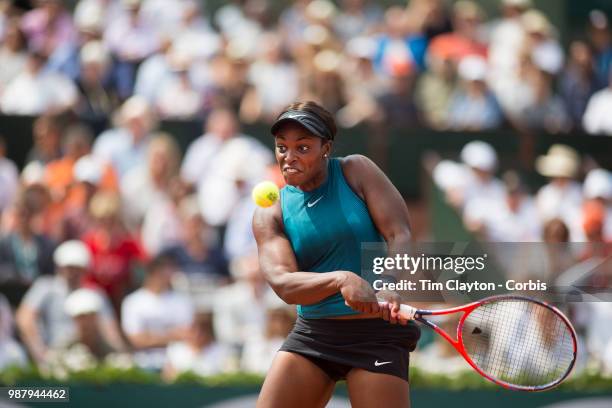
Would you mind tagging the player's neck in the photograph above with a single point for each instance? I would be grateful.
(317, 180)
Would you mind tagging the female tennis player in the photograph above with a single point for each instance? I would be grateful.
(309, 248)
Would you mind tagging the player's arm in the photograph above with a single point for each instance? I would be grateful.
(280, 269)
(385, 205)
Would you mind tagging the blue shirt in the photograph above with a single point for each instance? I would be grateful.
(326, 228)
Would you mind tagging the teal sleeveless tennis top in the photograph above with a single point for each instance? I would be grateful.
(326, 228)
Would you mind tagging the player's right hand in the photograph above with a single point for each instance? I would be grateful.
(358, 293)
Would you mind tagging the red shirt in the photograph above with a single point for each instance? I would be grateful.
(113, 258)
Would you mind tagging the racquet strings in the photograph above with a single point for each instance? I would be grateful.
(520, 342)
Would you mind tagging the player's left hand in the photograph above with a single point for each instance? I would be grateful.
(391, 311)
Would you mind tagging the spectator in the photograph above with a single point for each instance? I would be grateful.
(323, 82)
(177, 97)
(292, 22)
(464, 41)
(47, 133)
(125, 146)
(89, 176)
(66, 59)
(399, 50)
(48, 26)
(162, 225)
(274, 80)
(562, 196)
(526, 95)
(197, 253)
(59, 174)
(99, 93)
(9, 178)
(259, 351)
(546, 110)
(238, 26)
(131, 38)
(598, 188)
(12, 54)
(42, 318)
(601, 41)
(236, 168)
(12, 353)
(26, 254)
(148, 181)
(513, 219)
(481, 159)
(473, 106)
(434, 90)
(505, 44)
(194, 36)
(221, 126)
(578, 81)
(232, 325)
(35, 91)
(597, 118)
(153, 71)
(357, 17)
(362, 83)
(435, 16)
(115, 252)
(229, 82)
(85, 307)
(396, 107)
(199, 353)
(155, 315)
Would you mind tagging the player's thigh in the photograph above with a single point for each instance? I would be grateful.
(370, 390)
(295, 381)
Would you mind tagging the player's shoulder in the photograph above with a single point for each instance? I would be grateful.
(356, 163)
(358, 169)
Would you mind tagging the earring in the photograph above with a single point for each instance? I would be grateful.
(326, 155)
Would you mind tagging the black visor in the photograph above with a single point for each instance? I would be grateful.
(313, 123)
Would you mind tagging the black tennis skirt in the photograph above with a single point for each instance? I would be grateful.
(336, 345)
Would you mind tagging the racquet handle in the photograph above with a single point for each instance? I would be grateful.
(406, 311)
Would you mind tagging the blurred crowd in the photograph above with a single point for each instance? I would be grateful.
(433, 63)
(575, 205)
(561, 235)
(123, 250)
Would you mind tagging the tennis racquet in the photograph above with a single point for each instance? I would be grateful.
(514, 341)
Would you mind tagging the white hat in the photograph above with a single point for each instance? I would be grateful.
(560, 161)
(449, 174)
(83, 301)
(473, 68)
(598, 184)
(72, 253)
(88, 169)
(479, 155)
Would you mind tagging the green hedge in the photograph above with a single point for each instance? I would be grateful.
(590, 381)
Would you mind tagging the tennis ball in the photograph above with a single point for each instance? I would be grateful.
(265, 194)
